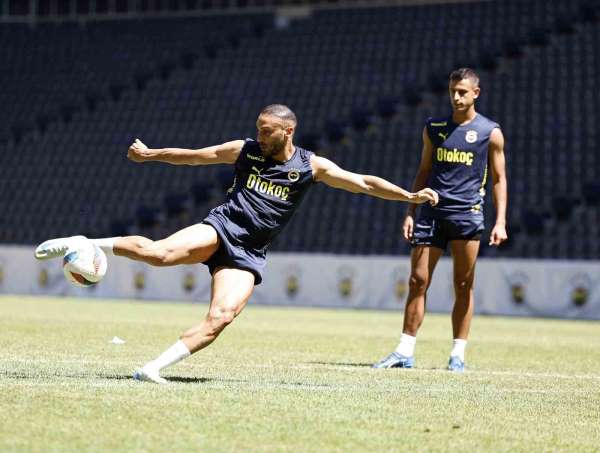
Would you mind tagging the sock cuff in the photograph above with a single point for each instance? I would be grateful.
(182, 349)
(106, 244)
(405, 338)
(459, 341)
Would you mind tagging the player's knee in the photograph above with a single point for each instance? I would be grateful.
(463, 285)
(221, 317)
(418, 282)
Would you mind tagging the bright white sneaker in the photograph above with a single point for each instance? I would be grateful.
(53, 248)
(148, 376)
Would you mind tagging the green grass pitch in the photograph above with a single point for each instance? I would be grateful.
(290, 379)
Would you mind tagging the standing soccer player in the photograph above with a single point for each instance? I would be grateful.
(272, 175)
(457, 152)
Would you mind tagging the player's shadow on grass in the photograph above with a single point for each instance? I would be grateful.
(189, 380)
(180, 379)
(370, 365)
(186, 380)
(110, 377)
(116, 377)
(364, 365)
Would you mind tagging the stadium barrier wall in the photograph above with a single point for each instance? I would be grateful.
(564, 289)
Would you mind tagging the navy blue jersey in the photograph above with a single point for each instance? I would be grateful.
(460, 166)
(264, 195)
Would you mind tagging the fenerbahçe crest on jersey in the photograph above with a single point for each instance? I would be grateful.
(264, 195)
(459, 167)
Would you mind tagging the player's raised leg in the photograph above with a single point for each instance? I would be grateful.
(194, 244)
(231, 289)
(423, 261)
(464, 255)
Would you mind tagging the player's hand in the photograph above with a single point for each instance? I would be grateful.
(498, 235)
(407, 227)
(427, 195)
(137, 152)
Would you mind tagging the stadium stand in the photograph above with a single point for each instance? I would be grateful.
(362, 82)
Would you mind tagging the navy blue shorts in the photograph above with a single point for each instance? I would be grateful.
(229, 255)
(438, 232)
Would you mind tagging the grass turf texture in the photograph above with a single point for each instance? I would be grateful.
(290, 379)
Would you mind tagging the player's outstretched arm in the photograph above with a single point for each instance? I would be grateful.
(329, 173)
(500, 195)
(227, 153)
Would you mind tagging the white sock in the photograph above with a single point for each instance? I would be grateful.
(105, 244)
(406, 347)
(171, 356)
(458, 348)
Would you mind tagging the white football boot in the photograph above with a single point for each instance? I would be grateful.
(53, 248)
(148, 375)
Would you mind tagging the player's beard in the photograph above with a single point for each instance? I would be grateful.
(273, 148)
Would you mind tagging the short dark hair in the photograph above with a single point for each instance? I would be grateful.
(280, 111)
(464, 73)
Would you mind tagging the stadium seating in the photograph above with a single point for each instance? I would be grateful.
(362, 82)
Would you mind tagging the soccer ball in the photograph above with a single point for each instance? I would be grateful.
(84, 264)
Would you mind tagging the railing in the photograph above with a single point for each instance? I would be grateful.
(32, 11)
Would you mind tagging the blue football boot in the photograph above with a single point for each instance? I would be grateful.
(456, 365)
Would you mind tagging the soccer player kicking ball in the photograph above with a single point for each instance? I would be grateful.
(272, 176)
(454, 162)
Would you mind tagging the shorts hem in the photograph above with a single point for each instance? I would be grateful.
(223, 257)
